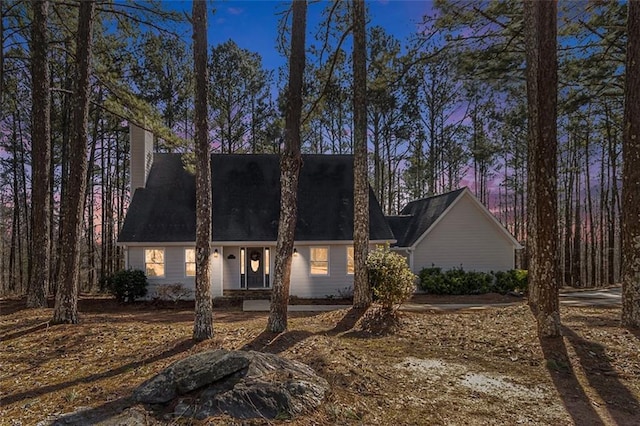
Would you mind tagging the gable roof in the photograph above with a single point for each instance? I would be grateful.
(420, 216)
(246, 201)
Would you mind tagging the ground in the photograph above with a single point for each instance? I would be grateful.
(446, 367)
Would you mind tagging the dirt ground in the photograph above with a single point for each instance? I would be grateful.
(453, 367)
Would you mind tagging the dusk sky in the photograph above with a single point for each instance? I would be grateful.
(253, 24)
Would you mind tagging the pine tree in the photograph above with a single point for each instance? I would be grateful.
(290, 163)
(41, 146)
(631, 174)
(361, 287)
(203, 324)
(72, 208)
(542, 232)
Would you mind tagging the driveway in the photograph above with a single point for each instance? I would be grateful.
(611, 296)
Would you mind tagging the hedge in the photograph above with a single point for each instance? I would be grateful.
(457, 281)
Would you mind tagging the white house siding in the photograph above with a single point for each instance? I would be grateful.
(303, 284)
(231, 268)
(225, 272)
(465, 238)
(216, 271)
(174, 268)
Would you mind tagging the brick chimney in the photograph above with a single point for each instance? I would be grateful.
(141, 146)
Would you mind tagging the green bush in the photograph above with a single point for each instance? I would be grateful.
(391, 279)
(457, 281)
(432, 280)
(127, 285)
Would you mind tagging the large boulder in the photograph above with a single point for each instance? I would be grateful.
(237, 383)
(189, 374)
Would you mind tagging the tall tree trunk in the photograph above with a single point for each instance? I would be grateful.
(590, 278)
(72, 208)
(290, 163)
(15, 259)
(568, 221)
(64, 157)
(203, 323)
(542, 85)
(361, 286)
(611, 202)
(41, 146)
(631, 174)
(89, 198)
(576, 277)
(604, 193)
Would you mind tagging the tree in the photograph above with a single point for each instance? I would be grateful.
(631, 174)
(72, 207)
(290, 164)
(163, 78)
(542, 85)
(40, 145)
(361, 286)
(203, 324)
(238, 98)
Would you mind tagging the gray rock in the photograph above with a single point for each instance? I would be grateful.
(241, 384)
(205, 368)
(158, 389)
(189, 374)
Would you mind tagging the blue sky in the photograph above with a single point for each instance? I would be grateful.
(253, 24)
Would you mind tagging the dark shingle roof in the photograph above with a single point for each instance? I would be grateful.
(246, 201)
(418, 216)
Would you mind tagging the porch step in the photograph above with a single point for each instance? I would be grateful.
(260, 294)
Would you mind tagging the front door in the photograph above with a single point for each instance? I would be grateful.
(255, 267)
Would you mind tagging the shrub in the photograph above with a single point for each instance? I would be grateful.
(514, 280)
(127, 285)
(392, 281)
(457, 281)
(432, 280)
(522, 280)
(478, 282)
(345, 292)
(173, 292)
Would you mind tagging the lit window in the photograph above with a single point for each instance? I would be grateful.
(242, 268)
(190, 262)
(267, 261)
(154, 262)
(350, 262)
(319, 260)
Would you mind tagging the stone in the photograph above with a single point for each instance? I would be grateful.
(242, 384)
(205, 368)
(189, 374)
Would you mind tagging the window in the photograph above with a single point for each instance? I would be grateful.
(154, 262)
(319, 260)
(267, 260)
(242, 268)
(350, 262)
(190, 262)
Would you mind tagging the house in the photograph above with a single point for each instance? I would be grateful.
(452, 230)
(158, 234)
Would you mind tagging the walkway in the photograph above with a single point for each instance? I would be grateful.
(611, 296)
